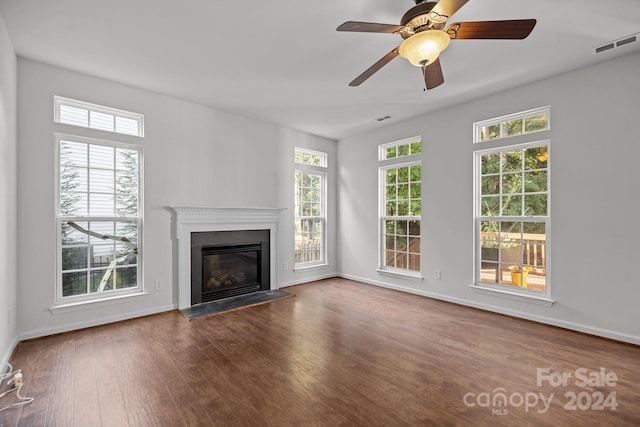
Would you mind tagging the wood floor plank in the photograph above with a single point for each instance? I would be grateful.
(339, 353)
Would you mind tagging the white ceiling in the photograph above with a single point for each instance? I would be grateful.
(282, 61)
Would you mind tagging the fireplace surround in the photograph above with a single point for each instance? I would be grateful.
(189, 220)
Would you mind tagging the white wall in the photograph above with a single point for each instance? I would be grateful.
(194, 155)
(594, 203)
(8, 197)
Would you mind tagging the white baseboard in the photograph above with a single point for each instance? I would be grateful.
(578, 327)
(307, 280)
(93, 322)
(7, 355)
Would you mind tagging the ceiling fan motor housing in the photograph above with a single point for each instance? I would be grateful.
(419, 18)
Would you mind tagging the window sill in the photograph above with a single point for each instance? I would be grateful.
(90, 304)
(513, 295)
(404, 275)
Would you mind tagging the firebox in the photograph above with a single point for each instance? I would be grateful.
(228, 263)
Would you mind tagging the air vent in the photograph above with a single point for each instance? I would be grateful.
(382, 119)
(616, 43)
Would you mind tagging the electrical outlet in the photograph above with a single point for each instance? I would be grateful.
(158, 284)
(17, 379)
(437, 275)
(285, 266)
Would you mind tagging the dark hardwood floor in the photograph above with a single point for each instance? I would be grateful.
(338, 353)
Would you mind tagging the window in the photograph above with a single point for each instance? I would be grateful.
(99, 217)
(310, 208)
(512, 217)
(512, 125)
(83, 114)
(400, 207)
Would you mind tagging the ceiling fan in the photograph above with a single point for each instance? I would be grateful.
(425, 36)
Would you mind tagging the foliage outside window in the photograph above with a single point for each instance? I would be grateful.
(406, 147)
(513, 216)
(99, 218)
(401, 208)
(310, 208)
(512, 125)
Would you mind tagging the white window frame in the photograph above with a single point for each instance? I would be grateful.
(321, 171)
(59, 102)
(69, 302)
(524, 294)
(408, 160)
(503, 120)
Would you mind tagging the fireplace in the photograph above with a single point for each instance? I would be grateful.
(198, 221)
(228, 263)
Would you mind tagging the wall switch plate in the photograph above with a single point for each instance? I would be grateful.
(158, 284)
(437, 275)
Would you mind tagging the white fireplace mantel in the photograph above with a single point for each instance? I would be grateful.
(194, 219)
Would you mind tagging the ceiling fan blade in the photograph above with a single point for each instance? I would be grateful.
(515, 29)
(375, 67)
(433, 74)
(448, 7)
(369, 27)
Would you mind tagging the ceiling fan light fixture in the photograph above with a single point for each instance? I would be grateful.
(424, 47)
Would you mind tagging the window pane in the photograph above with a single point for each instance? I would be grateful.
(536, 158)
(490, 206)
(101, 156)
(126, 277)
(72, 236)
(512, 205)
(414, 262)
(391, 176)
(535, 182)
(512, 183)
(74, 116)
(74, 284)
(101, 121)
(74, 258)
(127, 126)
(490, 132)
(535, 205)
(536, 123)
(401, 228)
(101, 280)
(101, 181)
(512, 161)
(126, 194)
(73, 153)
(404, 150)
(514, 127)
(127, 160)
(102, 255)
(490, 163)
(73, 187)
(101, 204)
(414, 228)
(74, 204)
(416, 147)
(491, 184)
(391, 153)
(416, 190)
